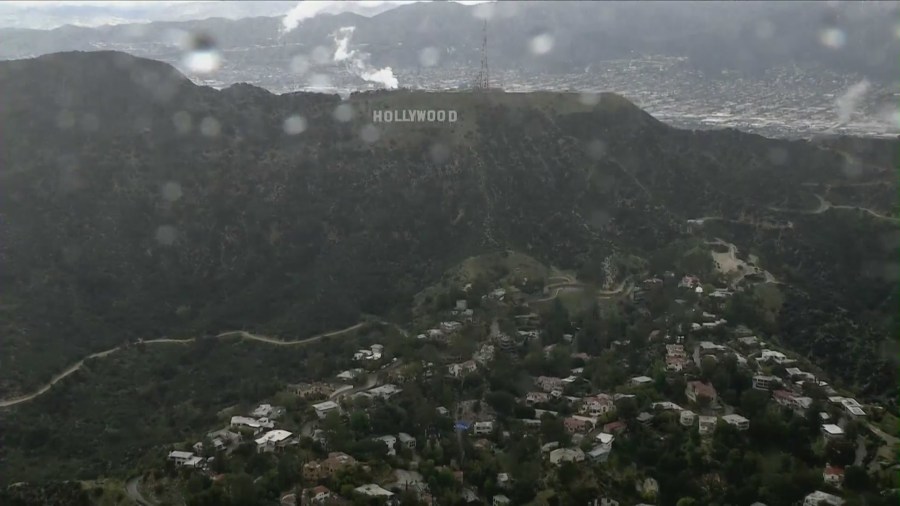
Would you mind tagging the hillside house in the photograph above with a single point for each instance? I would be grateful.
(697, 389)
(640, 381)
(707, 425)
(319, 470)
(561, 455)
(575, 425)
(391, 443)
(323, 408)
(761, 382)
(267, 411)
(617, 427)
(737, 421)
(832, 431)
(549, 383)
(532, 398)
(462, 369)
(597, 405)
(258, 425)
(599, 453)
(819, 498)
(184, 459)
(686, 418)
(373, 490)
(385, 391)
(482, 428)
(273, 440)
(407, 441)
(833, 475)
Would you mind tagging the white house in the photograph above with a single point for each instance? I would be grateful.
(481, 428)
(389, 441)
(761, 382)
(184, 459)
(407, 441)
(832, 431)
(385, 391)
(641, 381)
(500, 500)
(532, 398)
(819, 498)
(560, 455)
(256, 424)
(373, 490)
(273, 439)
(323, 408)
(686, 418)
(737, 421)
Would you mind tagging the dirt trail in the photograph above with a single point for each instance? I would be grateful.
(243, 334)
(825, 205)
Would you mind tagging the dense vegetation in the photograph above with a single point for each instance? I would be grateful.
(163, 208)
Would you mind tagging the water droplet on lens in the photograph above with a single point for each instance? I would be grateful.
(294, 125)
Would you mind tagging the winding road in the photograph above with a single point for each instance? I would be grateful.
(134, 493)
(825, 205)
(4, 403)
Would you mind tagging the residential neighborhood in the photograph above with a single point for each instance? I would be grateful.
(463, 410)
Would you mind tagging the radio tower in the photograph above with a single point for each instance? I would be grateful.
(484, 77)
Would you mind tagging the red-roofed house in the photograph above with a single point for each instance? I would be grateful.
(615, 427)
(575, 425)
(833, 475)
(696, 389)
(783, 397)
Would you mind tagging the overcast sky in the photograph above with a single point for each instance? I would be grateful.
(47, 14)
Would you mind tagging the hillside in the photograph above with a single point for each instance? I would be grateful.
(138, 205)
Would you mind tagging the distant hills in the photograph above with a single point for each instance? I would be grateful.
(746, 37)
(137, 204)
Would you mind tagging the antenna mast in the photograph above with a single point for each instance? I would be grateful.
(484, 79)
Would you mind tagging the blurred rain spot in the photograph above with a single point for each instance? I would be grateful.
(321, 55)
(171, 191)
(182, 122)
(343, 113)
(65, 119)
(541, 44)
(202, 56)
(484, 11)
(166, 234)
(90, 122)
(429, 56)
(319, 81)
(299, 64)
(589, 98)
(897, 31)
(596, 149)
(833, 38)
(142, 123)
(210, 127)
(765, 29)
(369, 133)
(778, 155)
(852, 167)
(294, 124)
(439, 153)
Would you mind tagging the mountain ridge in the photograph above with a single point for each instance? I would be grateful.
(164, 207)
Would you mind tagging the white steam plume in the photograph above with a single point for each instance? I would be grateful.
(846, 103)
(358, 63)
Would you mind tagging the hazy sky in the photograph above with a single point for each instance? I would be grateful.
(48, 14)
